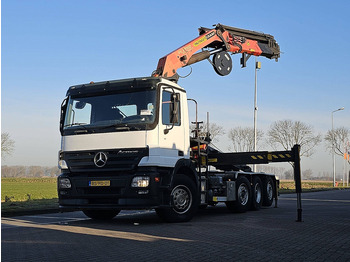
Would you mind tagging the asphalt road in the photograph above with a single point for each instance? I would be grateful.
(215, 234)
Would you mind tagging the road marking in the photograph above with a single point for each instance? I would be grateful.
(49, 217)
(62, 220)
(92, 231)
(317, 200)
(65, 219)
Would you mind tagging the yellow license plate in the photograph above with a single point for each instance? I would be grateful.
(100, 183)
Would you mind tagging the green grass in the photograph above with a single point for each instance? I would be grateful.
(24, 189)
(288, 186)
(26, 194)
(24, 207)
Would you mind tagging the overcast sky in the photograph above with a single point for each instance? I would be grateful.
(48, 46)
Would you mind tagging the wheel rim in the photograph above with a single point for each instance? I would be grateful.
(258, 193)
(269, 190)
(182, 199)
(243, 194)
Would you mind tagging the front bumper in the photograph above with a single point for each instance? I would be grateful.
(117, 195)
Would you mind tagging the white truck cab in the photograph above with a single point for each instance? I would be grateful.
(121, 142)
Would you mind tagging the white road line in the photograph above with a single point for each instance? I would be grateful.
(4, 226)
(60, 220)
(47, 217)
(317, 200)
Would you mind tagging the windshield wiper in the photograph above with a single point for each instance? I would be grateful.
(130, 127)
(76, 124)
(84, 130)
(121, 127)
(81, 131)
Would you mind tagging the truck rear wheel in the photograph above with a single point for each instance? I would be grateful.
(257, 194)
(101, 214)
(243, 196)
(183, 199)
(268, 191)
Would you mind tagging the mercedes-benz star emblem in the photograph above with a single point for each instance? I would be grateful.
(100, 159)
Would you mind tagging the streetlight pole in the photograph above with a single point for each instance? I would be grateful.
(333, 140)
(257, 66)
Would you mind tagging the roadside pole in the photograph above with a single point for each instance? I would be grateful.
(297, 179)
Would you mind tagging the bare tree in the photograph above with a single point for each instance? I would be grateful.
(36, 171)
(307, 174)
(215, 130)
(29, 171)
(287, 133)
(278, 171)
(289, 174)
(7, 145)
(339, 137)
(13, 171)
(242, 138)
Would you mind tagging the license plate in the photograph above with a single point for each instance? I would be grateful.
(100, 183)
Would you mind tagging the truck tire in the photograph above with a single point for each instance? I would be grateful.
(101, 214)
(257, 193)
(184, 201)
(268, 191)
(243, 196)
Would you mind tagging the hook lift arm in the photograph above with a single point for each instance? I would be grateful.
(219, 41)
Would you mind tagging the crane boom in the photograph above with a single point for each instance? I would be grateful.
(219, 41)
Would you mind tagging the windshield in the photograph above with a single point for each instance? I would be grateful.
(122, 111)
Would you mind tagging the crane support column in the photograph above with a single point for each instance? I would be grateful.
(297, 179)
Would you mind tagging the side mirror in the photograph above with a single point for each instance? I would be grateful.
(63, 113)
(80, 105)
(174, 110)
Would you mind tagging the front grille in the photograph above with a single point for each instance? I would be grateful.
(117, 160)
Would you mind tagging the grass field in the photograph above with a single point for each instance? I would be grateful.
(24, 189)
(20, 194)
(288, 186)
(23, 194)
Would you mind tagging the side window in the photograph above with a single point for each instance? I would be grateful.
(167, 108)
(81, 113)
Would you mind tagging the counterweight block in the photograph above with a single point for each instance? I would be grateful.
(222, 63)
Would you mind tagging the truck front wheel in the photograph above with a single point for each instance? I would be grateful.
(183, 199)
(101, 214)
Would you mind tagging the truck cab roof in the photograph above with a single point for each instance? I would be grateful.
(94, 88)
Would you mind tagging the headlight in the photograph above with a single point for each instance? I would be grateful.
(62, 164)
(64, 183)
(140, 181)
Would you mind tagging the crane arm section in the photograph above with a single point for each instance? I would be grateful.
(221, 38)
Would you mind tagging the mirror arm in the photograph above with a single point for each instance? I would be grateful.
(166, 131)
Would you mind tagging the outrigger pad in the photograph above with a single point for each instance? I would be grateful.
(222, 63)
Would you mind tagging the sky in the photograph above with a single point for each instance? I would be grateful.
(47, 46)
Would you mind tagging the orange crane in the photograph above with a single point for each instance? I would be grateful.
(218, 42)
